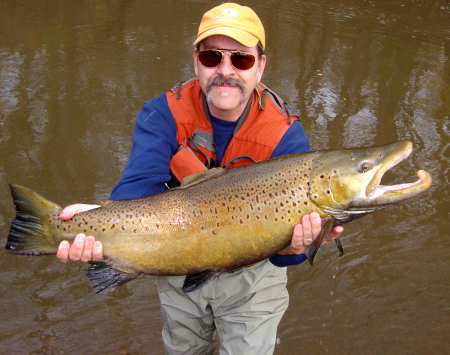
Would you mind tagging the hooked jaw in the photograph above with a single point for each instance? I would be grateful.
(393, 193)
(423, 183)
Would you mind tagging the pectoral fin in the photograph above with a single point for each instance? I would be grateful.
(313, 248)
(193, 282)
(104, 276)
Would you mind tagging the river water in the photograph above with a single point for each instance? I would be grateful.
(73, 75)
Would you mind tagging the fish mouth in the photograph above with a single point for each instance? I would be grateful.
(375, 190)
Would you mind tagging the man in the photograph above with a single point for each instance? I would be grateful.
(219, 119)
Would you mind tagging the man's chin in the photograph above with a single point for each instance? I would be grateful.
(225, 105)
(225, 98)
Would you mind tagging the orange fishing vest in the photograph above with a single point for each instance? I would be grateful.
(259, 130)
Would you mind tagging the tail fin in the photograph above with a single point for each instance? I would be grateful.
(30, 229)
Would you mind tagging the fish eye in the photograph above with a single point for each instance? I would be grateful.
(365, 167)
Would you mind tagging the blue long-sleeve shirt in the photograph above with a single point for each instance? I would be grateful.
(155, 142)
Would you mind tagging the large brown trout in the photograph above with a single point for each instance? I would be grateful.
(218, 220)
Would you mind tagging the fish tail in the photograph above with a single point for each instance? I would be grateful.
(30, 230)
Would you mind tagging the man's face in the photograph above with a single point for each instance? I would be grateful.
(227, 89)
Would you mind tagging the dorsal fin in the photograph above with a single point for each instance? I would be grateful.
(195, 179)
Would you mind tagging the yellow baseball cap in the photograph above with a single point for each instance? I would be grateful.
(235, 21)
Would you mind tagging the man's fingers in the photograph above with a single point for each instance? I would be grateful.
(63, 251)
(335, 233)
(97, 252)
(86, 254)
(316, 225)
(69, 211)
(76, 250)
(312, 225)
(307, 230)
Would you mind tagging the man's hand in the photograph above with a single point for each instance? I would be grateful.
(84, 248)
(306, 232)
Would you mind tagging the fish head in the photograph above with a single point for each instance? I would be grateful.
(346, 183)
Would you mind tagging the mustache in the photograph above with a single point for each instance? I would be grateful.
(220, 80)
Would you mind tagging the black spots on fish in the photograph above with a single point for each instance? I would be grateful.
(241, 221)
(281, 204)
(123, 228)
(276, 209)
(266, 217)
(157, 225)
(248, 216)
(305, 203)
(103, 229)
(294, 204)
(218, 224)
(322, 176)
(257, 198)
(328, 192)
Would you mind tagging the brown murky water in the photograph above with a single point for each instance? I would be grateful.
(73, 75)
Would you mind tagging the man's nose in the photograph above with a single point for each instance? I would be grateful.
(225, 68)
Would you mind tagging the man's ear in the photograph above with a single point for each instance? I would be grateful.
(261, 67)
(195, 62)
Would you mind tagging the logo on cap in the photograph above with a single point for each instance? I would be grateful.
(226, 13)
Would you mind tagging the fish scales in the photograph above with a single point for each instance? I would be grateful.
(205, 226)
(218, 220)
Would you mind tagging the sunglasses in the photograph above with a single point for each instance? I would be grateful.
(212, 58)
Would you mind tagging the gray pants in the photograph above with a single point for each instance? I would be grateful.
(245, 307)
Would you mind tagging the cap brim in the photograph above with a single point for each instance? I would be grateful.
(237, 34)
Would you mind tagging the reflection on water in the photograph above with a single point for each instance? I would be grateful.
(74, 74)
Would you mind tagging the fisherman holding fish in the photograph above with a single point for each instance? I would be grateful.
(225, 117)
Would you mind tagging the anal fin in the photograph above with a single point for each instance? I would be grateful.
(196, 281)
(104, 277)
